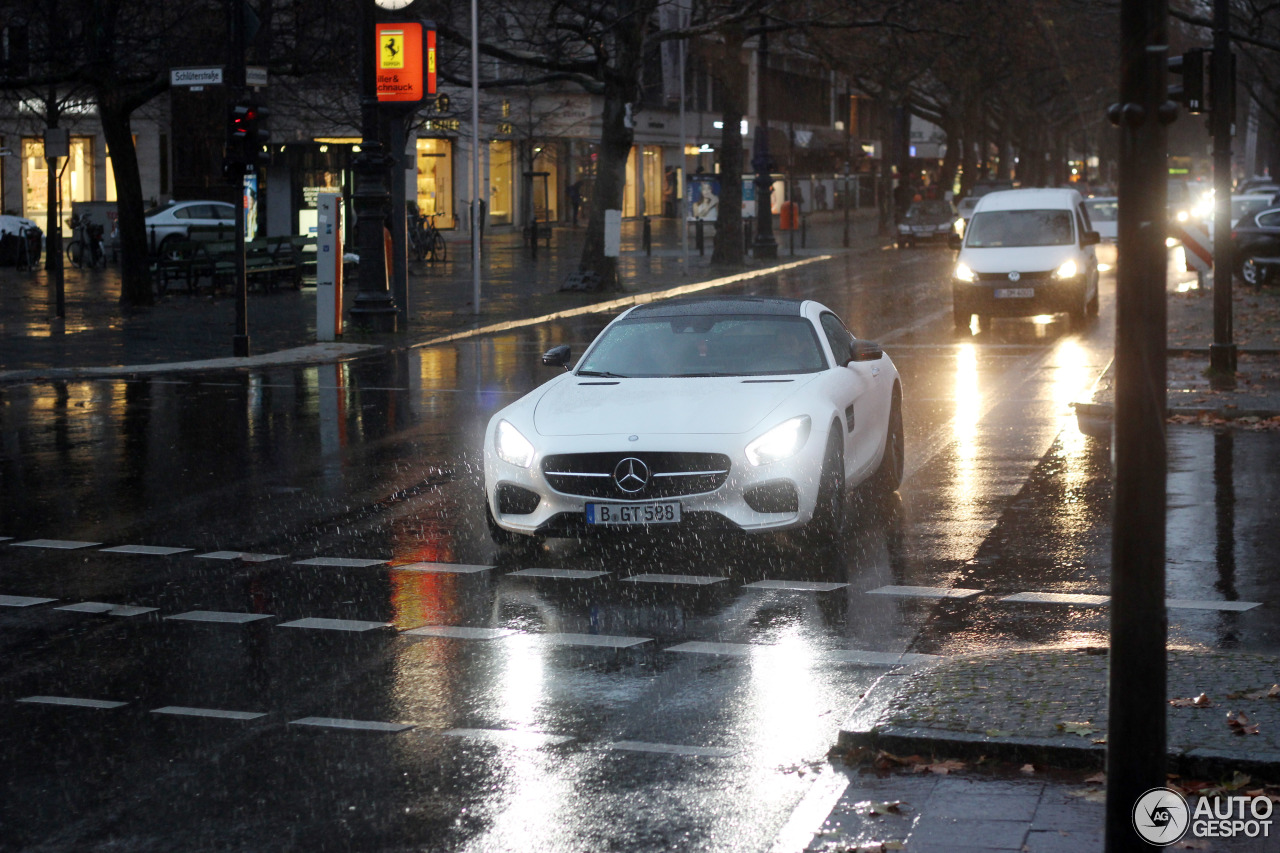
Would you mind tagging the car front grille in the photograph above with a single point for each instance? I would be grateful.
(1023, 276)
(591, 475)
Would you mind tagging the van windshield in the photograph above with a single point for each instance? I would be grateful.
(1003, 228)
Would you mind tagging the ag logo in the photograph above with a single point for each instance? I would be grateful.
(1161, 816)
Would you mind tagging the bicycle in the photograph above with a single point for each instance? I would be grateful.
(87, 243)
(426, 240)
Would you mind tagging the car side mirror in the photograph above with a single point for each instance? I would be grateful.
(865, 351)
(558, 356)
(954, 241)
(1090, 238)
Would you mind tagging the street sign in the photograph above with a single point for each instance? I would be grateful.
(255, 76)
(195, 77)
(1195, 245)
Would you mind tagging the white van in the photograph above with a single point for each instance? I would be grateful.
(1027, 252)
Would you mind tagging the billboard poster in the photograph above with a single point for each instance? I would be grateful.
(704, 198)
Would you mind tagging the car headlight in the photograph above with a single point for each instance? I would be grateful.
(1182, 216)
(963, 273)
(1067, 270)
(512, 447)
(781, 442)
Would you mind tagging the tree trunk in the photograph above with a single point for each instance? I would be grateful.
(728, 249)
(951, 160)
(135, 272)
(615, 146)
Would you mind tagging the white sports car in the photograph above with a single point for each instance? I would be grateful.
(729, 413)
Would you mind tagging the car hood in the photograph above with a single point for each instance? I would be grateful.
(710, 405)
(1020, 258)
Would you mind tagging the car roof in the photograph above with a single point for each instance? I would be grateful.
(705, 305)
(1029, 199)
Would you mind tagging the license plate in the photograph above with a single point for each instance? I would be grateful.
(666, 512)
(921, 229)
(1015, 292)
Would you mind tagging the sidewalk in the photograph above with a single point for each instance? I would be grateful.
(98, 337)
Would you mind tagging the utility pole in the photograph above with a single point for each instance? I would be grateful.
(235, 69)
(1222, 101)
(764, 247)
(1137, 678)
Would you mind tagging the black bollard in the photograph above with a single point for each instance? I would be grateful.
(804, 231)
(697, 234)
(646, 238)
(746, 234)
(533, 238)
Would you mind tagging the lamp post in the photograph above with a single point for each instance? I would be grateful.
(374, 308)
(764, 247)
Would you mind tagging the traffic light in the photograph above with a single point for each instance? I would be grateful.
(1191, 91)
(258, 136)
(234, 155)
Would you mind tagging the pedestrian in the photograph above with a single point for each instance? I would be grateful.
(820, 196)
(575, 200)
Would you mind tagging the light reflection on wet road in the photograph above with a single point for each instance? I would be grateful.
(565, 713)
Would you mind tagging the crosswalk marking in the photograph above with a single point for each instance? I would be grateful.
(334, 624)
(512, 737)
(601, 640)
(796, 586)
(22, 600)
(450, 568)
(1058, 598)
(72, 701)
(353, 725)
(695, 580)
(837, 655)
(155, 550)
(565, 574)
(219, 616)
(925, 592)
(668, 748)
(215, 713)
(59, 544)
(459, 632)
(108, 609)
(339, 562)
(1231, 606)
(243, 556)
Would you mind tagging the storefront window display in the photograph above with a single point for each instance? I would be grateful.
(435, 181)
(630, 196)
(76, 183)
(501, 184)
(652, 177)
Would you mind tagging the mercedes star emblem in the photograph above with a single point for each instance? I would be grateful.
(631, 475)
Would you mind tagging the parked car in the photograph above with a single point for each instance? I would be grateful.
(926, 221)
(964, 212)
(1255, 246)
(1027, 252)
(1104, 216)
(724, 414)
(171, 223)
(1258, 184)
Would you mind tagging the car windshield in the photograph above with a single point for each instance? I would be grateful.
(929, 210)
(1103, 211)
(153, 211)
(1003, 228)
(752, 345)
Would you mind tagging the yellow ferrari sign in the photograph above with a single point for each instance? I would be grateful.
(391, 48)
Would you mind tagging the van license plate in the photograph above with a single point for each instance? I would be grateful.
(1015, 293)
(665, 512)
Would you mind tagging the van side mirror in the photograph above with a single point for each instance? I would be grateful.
(1090, 238)
(558, 356)
(865, 351)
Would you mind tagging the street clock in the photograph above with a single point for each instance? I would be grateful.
(392, 4)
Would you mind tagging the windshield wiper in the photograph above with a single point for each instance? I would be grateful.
(606, 374)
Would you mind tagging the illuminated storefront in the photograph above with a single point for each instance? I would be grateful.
(435, 181)
(76, 182)
(502, 163)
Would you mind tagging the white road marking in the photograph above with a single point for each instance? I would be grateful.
(156, 550)
(669, 749)
(1058, 598)
(568, 574)
(601, 640)
(109, 609)
(339, 562)
(334, 624)
(22, 600)
(1231, 606)
(701, 648)
(452, 568)
(72, 702)
(243, 556)
(695, 580)
(925, 592)
(807, 817)
(510, 737)
(796, 586)
(219, 616)
(356, 725)
(180, 711)
(459, 632)
(854, 656)
(60, 544)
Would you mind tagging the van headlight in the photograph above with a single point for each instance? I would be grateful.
(512, 447)
(963, 273)
(1067, 270)
(781, 442)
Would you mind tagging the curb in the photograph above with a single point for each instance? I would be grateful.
(1094, 419)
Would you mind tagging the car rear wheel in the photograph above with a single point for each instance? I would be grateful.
(888, 476)
(1252, 273)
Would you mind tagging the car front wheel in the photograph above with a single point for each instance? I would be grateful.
(1252, 273)
(828, 515)
(888, 476)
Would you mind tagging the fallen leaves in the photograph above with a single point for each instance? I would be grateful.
(1201, 701)
(1272, 692)
(1082, 729)
(1240, 724)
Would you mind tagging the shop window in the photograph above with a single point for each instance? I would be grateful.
(76, 184)
(435, 181)
(501, 185)
(547, 159)
(630, 201)
(652, 166)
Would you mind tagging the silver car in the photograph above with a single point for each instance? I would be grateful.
(172, 222)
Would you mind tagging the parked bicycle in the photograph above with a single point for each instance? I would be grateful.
(86, 246)
(425, 239)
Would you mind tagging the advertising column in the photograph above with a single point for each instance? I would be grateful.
(328, 266)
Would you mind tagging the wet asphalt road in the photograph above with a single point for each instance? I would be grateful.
(281, 694)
